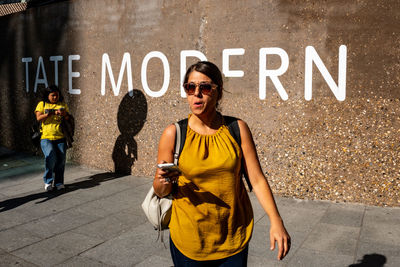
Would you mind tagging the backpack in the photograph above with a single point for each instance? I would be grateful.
(234, 130)
(68, 129)
(36, 131)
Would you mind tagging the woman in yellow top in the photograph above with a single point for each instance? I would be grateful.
(212, 219)
(50, 112)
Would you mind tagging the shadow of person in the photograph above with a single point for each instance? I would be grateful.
(83, 183)
(132, 113)
(371, 260)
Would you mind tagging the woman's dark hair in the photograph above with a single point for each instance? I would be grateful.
(209, 69)
(49, 90)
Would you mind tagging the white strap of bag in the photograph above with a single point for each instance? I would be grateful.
(176, 158)
(177, 143)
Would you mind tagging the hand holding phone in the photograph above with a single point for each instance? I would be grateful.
(169, 167)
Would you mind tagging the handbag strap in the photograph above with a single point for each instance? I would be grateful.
(177, 143)
(176, 158)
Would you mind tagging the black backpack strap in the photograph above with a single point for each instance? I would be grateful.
(234, 130)
(233, 127)
(183, 129)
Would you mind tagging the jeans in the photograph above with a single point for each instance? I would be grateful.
(54, 152)
(180, 260)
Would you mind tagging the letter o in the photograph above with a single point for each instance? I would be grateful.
(164, 60)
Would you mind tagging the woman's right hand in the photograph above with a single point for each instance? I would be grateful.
(42, 116)
(167, 177)
(162, 179)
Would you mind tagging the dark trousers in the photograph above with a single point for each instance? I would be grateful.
(180, 260)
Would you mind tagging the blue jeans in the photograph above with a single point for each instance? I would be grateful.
(180, 260)
(54, 152)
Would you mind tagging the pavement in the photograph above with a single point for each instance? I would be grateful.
(98, 221)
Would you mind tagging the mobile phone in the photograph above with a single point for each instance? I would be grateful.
(168, 167)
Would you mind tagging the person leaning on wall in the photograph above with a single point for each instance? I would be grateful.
(212, 218)
(50, 112)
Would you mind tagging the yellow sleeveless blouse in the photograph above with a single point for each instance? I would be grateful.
(212, 217)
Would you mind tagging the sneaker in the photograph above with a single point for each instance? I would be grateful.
(61, 186)
(48, 187)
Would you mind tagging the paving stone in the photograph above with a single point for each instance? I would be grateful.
(27, 188)
(387, 217)
(304, 218)
(111, 226)
(27, 170)
(12, 163)
(31, 177)
(11, 218)
(381, 226)
(333, 239)
(57, 249)
(7, 260)
(13, 239)
(341, 214)
(261, 261)
(260, 242)
(311, 258)
(57, 223)
(130, 248)
(156, 261)
(373, 247)
(82, 261)
(381, 234)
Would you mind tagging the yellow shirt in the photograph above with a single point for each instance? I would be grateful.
(51, 126)
(212, 217)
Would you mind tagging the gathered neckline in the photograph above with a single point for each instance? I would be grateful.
(208, 135)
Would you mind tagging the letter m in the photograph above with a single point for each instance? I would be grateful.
(126, 63)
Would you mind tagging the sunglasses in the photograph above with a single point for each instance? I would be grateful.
(204, 88)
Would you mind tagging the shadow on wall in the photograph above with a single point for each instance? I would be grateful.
(132, 114)
(371, 260)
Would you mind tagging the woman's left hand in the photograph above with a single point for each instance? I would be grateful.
(279, 235)
(61, 112)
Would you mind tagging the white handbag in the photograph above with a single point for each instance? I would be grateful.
(158, 210)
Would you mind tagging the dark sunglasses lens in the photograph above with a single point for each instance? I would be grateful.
(190, 88)
(206, 88)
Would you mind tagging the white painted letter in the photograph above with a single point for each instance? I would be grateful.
(26, 60)
(225, 62)
(338, 90)
(126, 61)
(72, 74)
(37, 80)
(56, 59)
(164, 60)
(263, 72)
(184, 55)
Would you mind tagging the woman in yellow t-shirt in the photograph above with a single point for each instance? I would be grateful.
(50, 112)
(212, 219)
